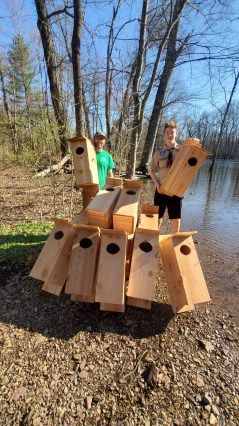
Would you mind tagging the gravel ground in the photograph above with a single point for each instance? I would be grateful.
(67, 363)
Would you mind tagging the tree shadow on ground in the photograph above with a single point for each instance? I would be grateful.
(25, 305)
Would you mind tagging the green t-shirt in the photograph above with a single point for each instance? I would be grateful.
(104, 163)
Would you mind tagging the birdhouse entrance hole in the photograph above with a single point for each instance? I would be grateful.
(110, 189)
(85, 243)
(79, 150)
(145, 246)
(112, 248)
(59, 235)
(192, 161)
(184, 249)
(149, 215)
(130, 192)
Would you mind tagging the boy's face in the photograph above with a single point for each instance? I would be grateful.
(170, 136)
(99, 142)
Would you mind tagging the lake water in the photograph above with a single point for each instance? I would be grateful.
(211, 206)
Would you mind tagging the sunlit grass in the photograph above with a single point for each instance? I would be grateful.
(16, 242)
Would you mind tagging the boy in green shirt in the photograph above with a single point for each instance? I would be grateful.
(105, 161)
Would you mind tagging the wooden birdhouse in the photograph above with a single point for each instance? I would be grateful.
(110, 283)
(183, 170)
(81, 276)
(183, 272)
(148, 218)
(84, 159)
(100, 210)
(125, 215)
(53, 261)
(142, 279)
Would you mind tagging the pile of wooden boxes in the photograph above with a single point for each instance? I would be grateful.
(109, 252)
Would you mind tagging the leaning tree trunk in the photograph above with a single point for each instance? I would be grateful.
(51, 64)
(131, 163)
(172, 55)
(221, 131)
(76, 65)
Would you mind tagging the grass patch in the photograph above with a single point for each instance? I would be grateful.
(17, 242)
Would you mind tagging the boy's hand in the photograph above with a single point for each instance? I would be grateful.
(158, 186)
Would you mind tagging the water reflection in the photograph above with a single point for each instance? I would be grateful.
(211, 206)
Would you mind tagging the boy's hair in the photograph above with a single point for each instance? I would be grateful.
(171, 124)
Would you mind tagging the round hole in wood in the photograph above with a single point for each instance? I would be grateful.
(185, 249)
(149, 215)
(145, 246)
(80, 150)
(192, 161)
(110, 189)
(59, 235)
(130, 192)
(112, 248)
(85, 243)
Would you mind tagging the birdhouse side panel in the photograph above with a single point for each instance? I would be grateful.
(190, 268)
(180, 300)
(51, 251)
(57, 278)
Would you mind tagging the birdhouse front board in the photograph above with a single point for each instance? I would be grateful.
(183, 170)
(125, 215)
(148, 218)
(58, 245)
(100, 210)
(110, 283)
(84, 160)
(143, 271)
(83, 261)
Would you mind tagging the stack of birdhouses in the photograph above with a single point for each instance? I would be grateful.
(109, 252)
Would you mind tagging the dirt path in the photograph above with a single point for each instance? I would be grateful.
(66, 363)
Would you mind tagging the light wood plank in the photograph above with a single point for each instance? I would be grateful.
(142, 279)
(179, 293)
(83, 261)
(110, 285)
(190, 268)
(139, 303)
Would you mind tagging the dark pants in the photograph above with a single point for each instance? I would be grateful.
(173, 205)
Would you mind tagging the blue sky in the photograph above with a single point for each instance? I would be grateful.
(20, 16)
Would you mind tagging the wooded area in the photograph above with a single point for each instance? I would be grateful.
(121, 76)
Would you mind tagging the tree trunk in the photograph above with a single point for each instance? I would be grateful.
(108, 74)
(131, 163)
(6, 107)
(172, 55)
(220, 136)
(51, 64)
(76, 65)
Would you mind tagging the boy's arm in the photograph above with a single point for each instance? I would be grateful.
(110, 173)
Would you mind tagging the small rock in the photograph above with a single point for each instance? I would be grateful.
(215, 410)
(205, 344)
(77, 357)
(213, 419)
(237, 413)
(83, 374)
(96, 399)
(88, 402)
